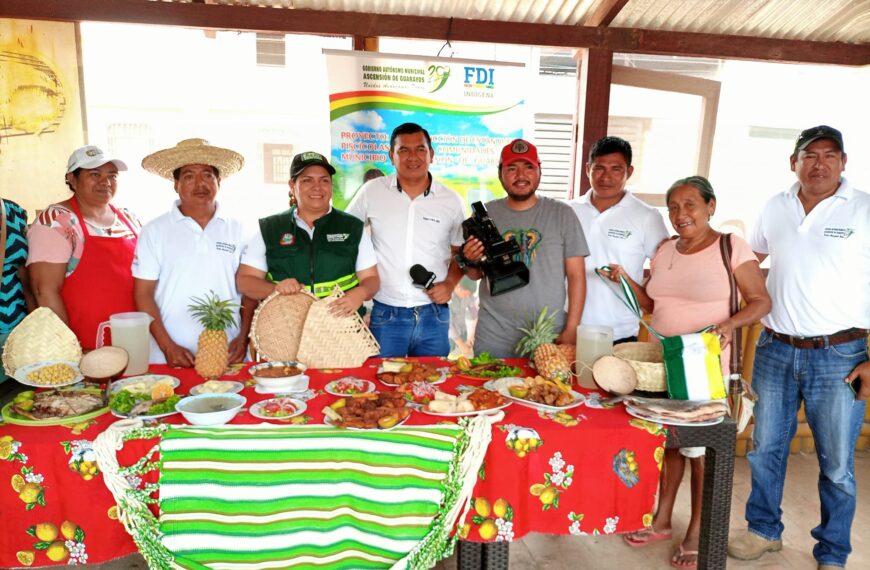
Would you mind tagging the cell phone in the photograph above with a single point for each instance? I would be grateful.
(855, 386)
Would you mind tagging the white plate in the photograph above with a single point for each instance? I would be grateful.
(461, 414)
(21, 373)
(640, 414)
(328, 422)
(147, 378)
(280, 390)
(441, 379)
(256, 410)
(502, 388)
(234, 388)
(368, 386)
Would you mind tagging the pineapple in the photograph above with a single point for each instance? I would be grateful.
(215, 316)
(547, 357)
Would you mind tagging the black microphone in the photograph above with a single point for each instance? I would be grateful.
(421, 276)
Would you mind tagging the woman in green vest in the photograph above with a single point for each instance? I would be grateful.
(311, 246)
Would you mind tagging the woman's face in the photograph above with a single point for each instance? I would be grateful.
(313, 189)
(689, 214)
(95, 186)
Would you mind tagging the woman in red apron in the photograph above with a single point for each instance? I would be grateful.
(81, 249)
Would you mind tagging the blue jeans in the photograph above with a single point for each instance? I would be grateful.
(415, 331)
(782, 377)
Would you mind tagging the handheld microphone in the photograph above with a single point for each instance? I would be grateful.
(421, 276)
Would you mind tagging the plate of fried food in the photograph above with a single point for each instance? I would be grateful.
(477, 402)
(398, 371)
(50, 374)
(483, 367)
(374, 410)
(54, 407)
(538, 393)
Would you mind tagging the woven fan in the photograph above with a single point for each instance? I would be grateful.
(39, 337)
(277, 325)
(329, 341)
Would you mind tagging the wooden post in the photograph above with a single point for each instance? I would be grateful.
(594, 70)
(365, 43)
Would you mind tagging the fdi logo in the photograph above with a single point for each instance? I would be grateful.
(481, 77)
(437, 75)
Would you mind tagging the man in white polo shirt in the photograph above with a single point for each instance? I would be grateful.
(414, 220)
(619, 229)
(189, 251)
(817, 235)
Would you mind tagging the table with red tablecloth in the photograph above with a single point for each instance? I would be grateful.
(586, 470)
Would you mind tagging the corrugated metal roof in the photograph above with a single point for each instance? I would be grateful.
(826, 21)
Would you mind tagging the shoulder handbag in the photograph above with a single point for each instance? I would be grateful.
(692, 365)
(741, 397)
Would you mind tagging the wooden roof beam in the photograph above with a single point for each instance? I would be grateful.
(248, 18)
(604, 13)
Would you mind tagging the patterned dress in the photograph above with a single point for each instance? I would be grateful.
(12, 303)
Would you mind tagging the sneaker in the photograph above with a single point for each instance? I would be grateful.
(750, 546)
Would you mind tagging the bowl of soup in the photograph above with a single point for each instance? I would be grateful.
(286, 375)
(210, 409)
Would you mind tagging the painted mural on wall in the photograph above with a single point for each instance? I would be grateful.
(40, 109)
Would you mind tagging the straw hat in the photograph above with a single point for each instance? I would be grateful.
(193, 151)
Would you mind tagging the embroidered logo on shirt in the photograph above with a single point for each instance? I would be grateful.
(337, 237)
(228, 247)
(618, 234)
(287, 239)
(431, 219)
(842, 233)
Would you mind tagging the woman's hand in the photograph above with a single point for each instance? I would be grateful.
(615, 272)
(349, 304)
(289, 286)
(725, 330)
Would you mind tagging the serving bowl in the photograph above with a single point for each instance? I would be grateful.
(289, 382)
(210, 409)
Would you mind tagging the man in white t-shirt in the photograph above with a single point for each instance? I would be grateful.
(619, 229)
(817, 234)
(192, 250)
(414, 221)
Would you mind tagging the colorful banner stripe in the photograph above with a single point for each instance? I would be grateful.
(341, 104)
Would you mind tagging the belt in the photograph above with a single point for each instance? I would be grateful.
(822, 341)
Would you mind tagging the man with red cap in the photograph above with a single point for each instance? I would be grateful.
(552, 245)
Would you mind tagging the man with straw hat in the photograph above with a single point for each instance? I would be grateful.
(189, 251)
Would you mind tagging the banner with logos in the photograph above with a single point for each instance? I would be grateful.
(470, 108)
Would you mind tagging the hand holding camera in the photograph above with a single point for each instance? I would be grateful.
(485, 247)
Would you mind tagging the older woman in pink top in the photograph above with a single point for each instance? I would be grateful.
(689, 290)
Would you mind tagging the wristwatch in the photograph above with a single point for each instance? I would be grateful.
(464, 262)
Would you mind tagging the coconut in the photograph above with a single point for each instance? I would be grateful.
(614, 375)
(104, 362)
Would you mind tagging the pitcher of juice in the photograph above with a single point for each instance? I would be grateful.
(130, 332)
(593, 341)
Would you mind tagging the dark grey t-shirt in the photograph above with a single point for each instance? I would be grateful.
(547, 233)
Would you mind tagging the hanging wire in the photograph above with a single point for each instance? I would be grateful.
(447, 43)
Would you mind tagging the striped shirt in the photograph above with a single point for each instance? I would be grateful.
(12, 303)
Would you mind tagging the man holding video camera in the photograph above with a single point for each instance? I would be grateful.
(552, 246)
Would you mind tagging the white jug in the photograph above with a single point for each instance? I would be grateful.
(130, 332)
(593, 341)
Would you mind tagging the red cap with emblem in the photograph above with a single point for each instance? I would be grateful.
(518, 149)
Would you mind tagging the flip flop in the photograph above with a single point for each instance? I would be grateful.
(682, 553)
(645, 536)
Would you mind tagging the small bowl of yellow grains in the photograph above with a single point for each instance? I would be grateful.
(50, 373)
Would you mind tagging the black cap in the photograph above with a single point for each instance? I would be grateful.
(816, 133)
(305, 159)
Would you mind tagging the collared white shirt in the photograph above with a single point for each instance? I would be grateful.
(188, 261)
(627, 234)
(406, 232)
(254, 253)
(819, 279)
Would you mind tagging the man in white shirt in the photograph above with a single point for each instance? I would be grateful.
(414, 220)
(619, 229)
(189, 251)
(813, 343)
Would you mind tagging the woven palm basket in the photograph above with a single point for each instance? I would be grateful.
(39, 337)
(329, 341)
(277, 326)
(646, 359)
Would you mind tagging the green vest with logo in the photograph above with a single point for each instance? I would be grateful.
(320, 263)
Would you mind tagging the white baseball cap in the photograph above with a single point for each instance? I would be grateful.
(91, 157)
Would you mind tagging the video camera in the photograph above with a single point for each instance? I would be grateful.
(502, 273)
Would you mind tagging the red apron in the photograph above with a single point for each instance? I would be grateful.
(102, 282)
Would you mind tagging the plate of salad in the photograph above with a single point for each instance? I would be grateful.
(483, 367)
(126, 404)
(349, 385)
(278, 408)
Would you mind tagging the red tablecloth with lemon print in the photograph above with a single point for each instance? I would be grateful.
(586, 470)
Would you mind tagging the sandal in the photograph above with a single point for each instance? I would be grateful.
(678, 560)
(645, 536)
